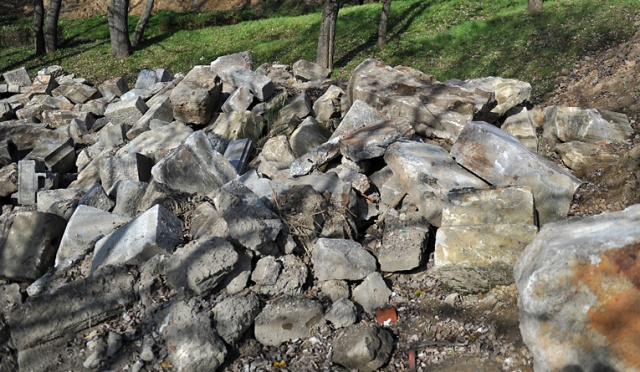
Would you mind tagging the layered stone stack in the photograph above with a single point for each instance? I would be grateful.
(155, 199)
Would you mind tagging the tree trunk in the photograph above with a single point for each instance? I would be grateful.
(38, 26)
(142, 23)
(534, 6)
(118, 16)
(384, 21)
(326, 39)
(51, 26)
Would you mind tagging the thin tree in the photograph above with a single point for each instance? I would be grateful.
(142, 23)
(326, 39)
(38, 26)
(384, 21)
(51, 26)
(534, 6)
(117, 15)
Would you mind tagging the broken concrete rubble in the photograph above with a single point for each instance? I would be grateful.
(346, 227)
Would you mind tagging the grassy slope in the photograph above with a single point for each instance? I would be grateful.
(447, 38)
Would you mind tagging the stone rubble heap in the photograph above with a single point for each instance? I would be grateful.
(147, 222)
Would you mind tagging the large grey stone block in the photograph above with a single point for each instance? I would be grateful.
(234, 316)
(126, 112)
(156, 231)
(194, 167)
(306, 70)
(567, 124)
(502, 160)
(196, 96)
(331, 105)
(155, 144)
(85, 227)
(577, 288)
(371, 141)
(308, 136)
(427, 173)
(433, 108)
(201, 265)
(341, 259)
(162, 110)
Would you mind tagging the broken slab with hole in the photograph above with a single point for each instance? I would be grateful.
(287, 319)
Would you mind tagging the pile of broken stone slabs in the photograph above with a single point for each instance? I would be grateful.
(152, 197)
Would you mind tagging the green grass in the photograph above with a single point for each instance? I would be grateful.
(446, 38)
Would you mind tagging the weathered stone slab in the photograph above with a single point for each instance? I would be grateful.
(128, 194)
(85, 227)
(243, 219)
(232, 61)
(43, 84)
(521, 126)
(306, 71)
(147, 78)
(237, 125)
(28, 244)
(362, 347)
(502, 160)
(371, 141)
(308, 136)
(472, 259)
(567, 124)
(96, 197)
(196, 96)
(72, 308)
(112, 88)
(191, 342)
(508, 92)
(60, 118)
(18, 77)
(238, 153)
(260, 85)
(287, 319)
(341, 192)
(341, 259)
(126, 112)
(162, 110)
(32, 178)
(201, 265)
(315, 158)
(58, 155)
(331, 105)
(194, 167)
(427, 173)
(403, 249)
(239, 100)
(234, 316)
(578, 155)
(506, 205)
(75, 92)
(577, 285)
(61, 202)
(124, 167)
(299, 107)
(154, 232)
(6, 111)
(433, 108)
(157, 144)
